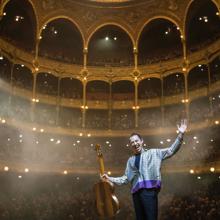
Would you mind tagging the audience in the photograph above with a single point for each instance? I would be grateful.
(54, 197)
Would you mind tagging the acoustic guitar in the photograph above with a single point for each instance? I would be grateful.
(107, 204)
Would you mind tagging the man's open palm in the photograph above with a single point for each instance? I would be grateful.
(183, 126)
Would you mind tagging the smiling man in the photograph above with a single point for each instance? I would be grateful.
(143, 173)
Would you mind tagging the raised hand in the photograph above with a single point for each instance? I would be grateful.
(183, 126)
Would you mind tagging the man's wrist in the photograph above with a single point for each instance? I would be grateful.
(181, 134)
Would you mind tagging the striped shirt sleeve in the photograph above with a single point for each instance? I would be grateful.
(170, 151)
(122, 179)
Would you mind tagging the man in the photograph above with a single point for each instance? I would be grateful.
(143, 173)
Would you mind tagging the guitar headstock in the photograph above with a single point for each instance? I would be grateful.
(98, 150)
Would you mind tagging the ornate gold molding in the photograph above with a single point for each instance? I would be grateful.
(100, 104)
(62, 70)
(131, 17)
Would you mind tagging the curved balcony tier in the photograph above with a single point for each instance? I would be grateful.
(108, 73)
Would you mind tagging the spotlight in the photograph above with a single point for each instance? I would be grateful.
(18, 18)
(191, 171)
(212, 169)
(6, 169)
(58, 142)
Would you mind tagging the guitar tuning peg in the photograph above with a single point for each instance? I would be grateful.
(98, 149)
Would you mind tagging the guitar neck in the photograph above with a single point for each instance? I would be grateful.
(101, 165)
(100, 159)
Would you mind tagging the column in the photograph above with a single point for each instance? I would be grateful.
(135, 57)
(136, 102)
(186, 95)
(85, 52)
(209, 88)
(11, 84)
(183, 40)
(110, 106)
(84, 107)
(33, 97)
(58, 102)
(162, 102)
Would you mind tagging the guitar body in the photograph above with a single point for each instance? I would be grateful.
(107, 204)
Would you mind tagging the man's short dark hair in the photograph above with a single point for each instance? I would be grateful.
(132, 134)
